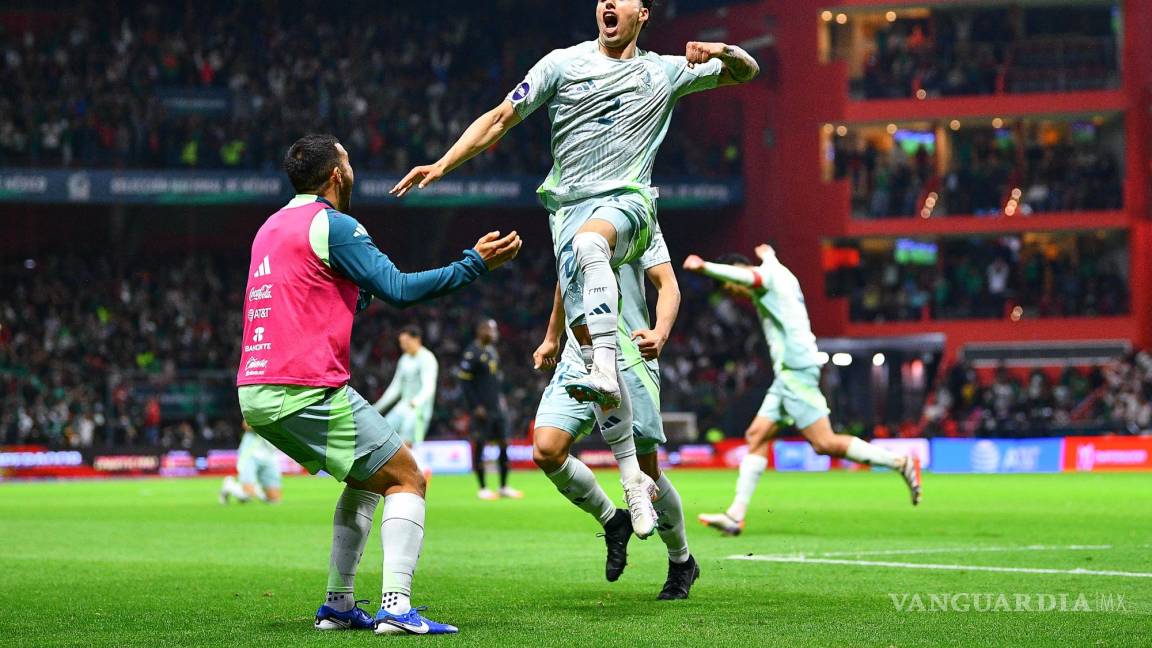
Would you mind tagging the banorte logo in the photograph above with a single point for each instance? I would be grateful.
(258, 334)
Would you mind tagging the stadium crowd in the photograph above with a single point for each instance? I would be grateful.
(96, 353)
(980, 51)
(990, 278)
(93, 354)
(1051, 175)
(1114, 397)
(221, 85)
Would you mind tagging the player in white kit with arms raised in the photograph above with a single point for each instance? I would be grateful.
(407, 402)
(610, 104)
(794, 397)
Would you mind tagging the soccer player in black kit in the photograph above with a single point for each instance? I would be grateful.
(482, 383)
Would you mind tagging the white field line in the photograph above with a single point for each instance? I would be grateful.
(933, 550)
(907, 565)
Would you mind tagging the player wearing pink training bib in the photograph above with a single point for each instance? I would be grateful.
(313, 268)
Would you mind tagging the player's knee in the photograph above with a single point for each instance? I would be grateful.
(824, 444)
(410, 481)
(549, 456)
(591, 247)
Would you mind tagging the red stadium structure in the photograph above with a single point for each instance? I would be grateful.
(788, 120)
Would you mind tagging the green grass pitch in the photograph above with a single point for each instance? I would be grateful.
(160, 562)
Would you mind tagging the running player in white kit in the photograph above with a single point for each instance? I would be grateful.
(794, 397)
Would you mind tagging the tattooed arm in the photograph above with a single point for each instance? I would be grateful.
(739, 66)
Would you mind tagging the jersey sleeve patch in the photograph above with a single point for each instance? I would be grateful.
(538, 86)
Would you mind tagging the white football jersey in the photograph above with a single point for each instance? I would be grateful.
(608, 115)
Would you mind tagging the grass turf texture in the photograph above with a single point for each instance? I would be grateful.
(160, 562)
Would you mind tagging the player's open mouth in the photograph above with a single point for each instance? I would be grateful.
(611, 21)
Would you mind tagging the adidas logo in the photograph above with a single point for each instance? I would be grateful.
(602, 309)
(264, 270)
(612, 421)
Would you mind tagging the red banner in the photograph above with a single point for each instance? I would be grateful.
(1085, 454)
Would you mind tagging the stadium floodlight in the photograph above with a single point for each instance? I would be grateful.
(841, 359)
(878, 360)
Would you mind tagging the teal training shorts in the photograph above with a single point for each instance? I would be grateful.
(632, 213)
(558, 410)
(342, 435)
(795, 398)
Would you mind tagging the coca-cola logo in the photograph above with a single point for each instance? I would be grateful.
(259, 293)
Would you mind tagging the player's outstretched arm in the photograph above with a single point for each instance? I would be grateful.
(739, 66)
(722, 272)
(483, 133)
(651, 341)
(546, 355)
(352, 253)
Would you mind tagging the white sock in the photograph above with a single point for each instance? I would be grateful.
(616, 428)
(575, 481)
(670, 520)
(232, 487)
(863, 452)
(751, 467)
(402, 533)
(351, 524)
(601, 297)
(586, 354)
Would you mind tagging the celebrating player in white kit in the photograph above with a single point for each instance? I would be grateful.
(561, 420)
(794, 396)
(610, 104)
(407, 402)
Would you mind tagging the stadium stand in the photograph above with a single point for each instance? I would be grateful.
(977, 51)
(191, 85)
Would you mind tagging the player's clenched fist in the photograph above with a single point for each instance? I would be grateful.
(693, 263)
(496, 251)
(697, 52)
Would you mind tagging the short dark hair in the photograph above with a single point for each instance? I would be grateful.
(734, 258)
(310, 161)
(411, 330)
